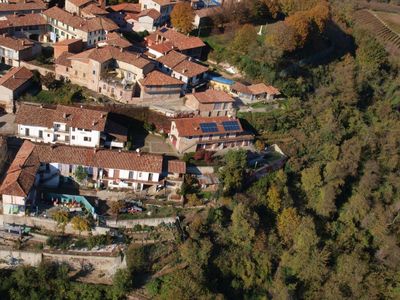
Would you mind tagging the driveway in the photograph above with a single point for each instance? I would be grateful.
(7, 125)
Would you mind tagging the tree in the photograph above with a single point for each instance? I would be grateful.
(182, 17)
(273, 198)
(122, 283)
(244, 39)
(244, 224)
(61, 216)
(116, 206)
(80, 173)
(232, 173)
(288, 222)
(49, 80)
(281, 36)
(80, 224)
(137, 259)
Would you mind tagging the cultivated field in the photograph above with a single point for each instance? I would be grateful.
(392, 20)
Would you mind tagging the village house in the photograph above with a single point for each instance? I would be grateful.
(164, 7)
(22, 8)
(158, 84)
(147, 20)
(181, 67)
(14, 50)
(30, 26)
(64, 25)
(188, 45)
(70, 46)
(209, 133)
(108, 70)
(116, 40)
(76, 126)
(44, 165)
(211, 103)
(118, 12)
(85, 7)
(12, 85)
(202, 18)
(254, 92)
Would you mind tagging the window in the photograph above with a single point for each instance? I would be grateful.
(130, 175)
(84, 75)
(41, 134)
(94, 72)
(76, 72)
(87, 139)
(73, 137)
(140, 174)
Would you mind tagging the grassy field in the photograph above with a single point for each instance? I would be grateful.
(391, 19)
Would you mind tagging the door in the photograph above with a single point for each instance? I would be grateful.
(26, 131)
(40, 134)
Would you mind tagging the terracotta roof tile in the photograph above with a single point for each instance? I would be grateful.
(102, 158)
(12, 21)
(190, 68)
(152, 13)
(86, 25)
(80, 3)
(104, 54)
(211, 96)
(15, 43)
(15, 78)
(34, 115)
(191, 126)
(20, 176)
(261, 88)
(93, 9)
(63, 59)
(176, 166)
(126, 7)
(28, 6)
(156, 78)
(179, 40)
(172, 58)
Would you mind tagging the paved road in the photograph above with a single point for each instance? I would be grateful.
(7, 125)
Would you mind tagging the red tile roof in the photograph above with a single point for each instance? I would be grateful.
(101, 158)
(212, 96)
(21, 174)
(63, 59)
(35, 115)
(86, 25)
(162, 48)
(172, 58)
(179, 40)
(261, 88)
(152, 13)
(176, 166)
(80, 3)
(166, 2)
(12, 21)
(180, 63)
(255, 89)
(28, 6)
(93, 9)
(116, 40)
(156, 78)
(15, 78)
(126, 7)
(16, 44)
(191, 126)
(104, 54)
(190, 68)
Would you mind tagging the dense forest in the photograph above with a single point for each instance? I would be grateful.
(327, 225)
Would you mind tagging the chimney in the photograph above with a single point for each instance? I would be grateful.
(119, 150)
(138, 151)
(121, 50)
(95, 150)
(81, 106)
(64, 115)
(14, 76)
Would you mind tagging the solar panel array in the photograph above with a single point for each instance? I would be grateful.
(231, 126)
(209, 127)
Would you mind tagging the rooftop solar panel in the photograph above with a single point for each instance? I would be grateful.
(231, 125)
(209, 127)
